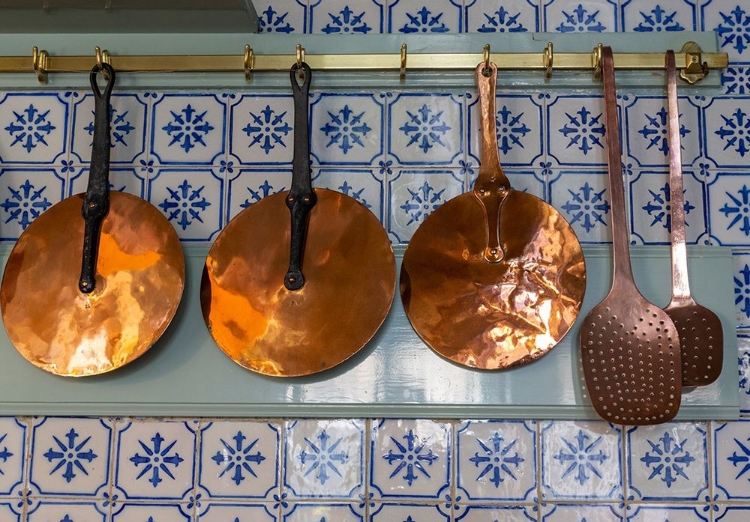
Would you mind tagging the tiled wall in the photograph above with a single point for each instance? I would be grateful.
(203, 157)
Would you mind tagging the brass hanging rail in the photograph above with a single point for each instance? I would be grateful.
(692, 63)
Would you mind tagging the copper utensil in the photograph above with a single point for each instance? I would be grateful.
(132, 272)
(701, 336)
(494, 278)
(290, 298)
(629, 347)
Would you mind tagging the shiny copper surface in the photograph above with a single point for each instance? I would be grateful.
(701, 335)
(140, 279)
(350, 275)
(630, 348)
(494, 278)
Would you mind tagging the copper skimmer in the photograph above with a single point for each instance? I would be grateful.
(701, 336)
(84, 295)
(629, 347)
(294, 297)
(494, 278)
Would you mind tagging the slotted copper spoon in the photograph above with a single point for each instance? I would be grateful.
(630, 348)
(701, 337)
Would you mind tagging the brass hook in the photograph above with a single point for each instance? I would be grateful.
(486, 57)
(547, 59)
(102, 57)
(300, 55)
(40, 60)
(596, 58)
(402, 73)
(248, 63)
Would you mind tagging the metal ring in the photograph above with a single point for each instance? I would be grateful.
(547, 59)
(300, 51)
(402, 74)
(248, 62)
(40, 60)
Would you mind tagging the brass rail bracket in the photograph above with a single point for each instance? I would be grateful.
(695, 68)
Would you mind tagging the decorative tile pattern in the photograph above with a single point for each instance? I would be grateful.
(70, 456)
(728, 202)
(493, 513)
(496, 460)
(34, 128)
(645, 16)
(324, 513)
(730, 19)
(12, 455)
(240, 459)
(409, 512)
(66, 512)
(120, 179)
(288, 17)
(574, 16)
(345, 17)
(324, 458)
(7, 513)
(420, 17)
(365, 186)
(733, 514)
(24, 194)
(741, 262)
(743, 341)
(735, 80)
(667, 461)
(731, 446)
(151, 513)
(727, 133)
(410, 459)
(582, 513)
(575, 130)
(261, 130)
(584, 201)
(672, 513)
(250, 186)
(488, 16)
(245, 512)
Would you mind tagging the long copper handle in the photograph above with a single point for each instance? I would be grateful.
(680, 284)
(620, 239)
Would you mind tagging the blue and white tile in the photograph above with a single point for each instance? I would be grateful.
(581, 460)
(34, 128)
(420, 17)
(580, 16)
(582, 513)
(731, 447)
(415, 194)
(496, 460)
(188, 129)
(730, 19)
(244, 512)
(250, 186)
(733, 514)
(647, 130)
(670, 513)
(240, 459)
(70, 456)
(7, 512)
(324, 458)
(518, 121)
(498, 513)
(192, 200)
(741, 263)
(575, 130)
(728, 204)
(667, 462)
(12, 455)
(645, 16)
(150, 513)
(288, 17)
(261, 130)
(404, 512)
(121, 179)
(735, 80)
(155, 460)
(26, 193)
(743, 341)
(324, 513)
(489, 16)
(127, 128)
(346, 129)
(583, 199)
(365, 186)
(410, 459)
(531, 181)
(51, 511)
(426, 129)
(650, 207)
(727, 134)
(340, 17)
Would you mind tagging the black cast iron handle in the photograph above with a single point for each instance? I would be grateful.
(301, 198)
(96, 203)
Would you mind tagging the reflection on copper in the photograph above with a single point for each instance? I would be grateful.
(494, 278)
(140, 279)
(350, 275)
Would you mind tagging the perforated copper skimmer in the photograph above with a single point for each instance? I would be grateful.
(630, 348)
(701, 336)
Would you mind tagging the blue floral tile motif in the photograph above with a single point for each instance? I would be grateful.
(366, 187)
(120, 180)
(727, 126)
(328, 512)
(190, 199)
(54, 511)
(663, 16)
(250, 186)
(732, 459)
(496, 460)
(409, 512)
(733, 132)
(245, 512)
(284, 18)
(575, 130)
(33, 127)
(70, 456)
(730, 19)
(127, 128)
(484, 513)
(743, 363)
(151, 513)
(584, 201)
(261, 130)
(347, 129)
(24, 195)
(667, 461)
(425, 129)
(420, 17)
(485, 16)
(573, 16)
(581, 513)
(12, 455)
(410, 458)
(339, 17)
(741, 262)
(324, 458)
(728, 204)
(155, 460)
(735, 80)
(188, 129)
(673, 512)
(25, 204)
